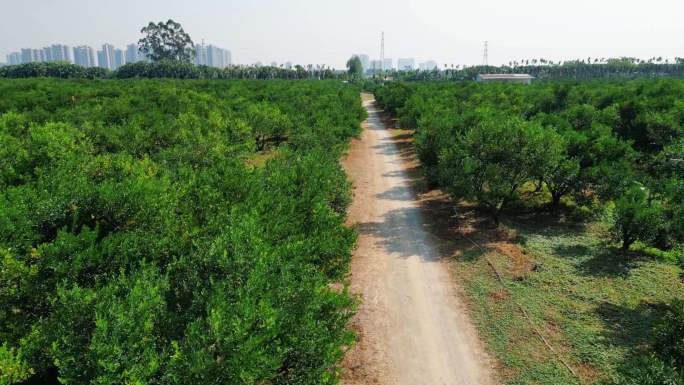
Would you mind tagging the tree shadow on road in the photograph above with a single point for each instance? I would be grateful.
(433, 215)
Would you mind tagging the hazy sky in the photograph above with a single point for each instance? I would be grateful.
(327, 32)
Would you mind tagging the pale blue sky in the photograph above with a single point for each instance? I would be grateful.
(327, 32)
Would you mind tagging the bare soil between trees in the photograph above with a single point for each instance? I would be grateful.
(413, 327)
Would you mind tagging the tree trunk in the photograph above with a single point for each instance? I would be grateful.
(555, 200)
(495, 217)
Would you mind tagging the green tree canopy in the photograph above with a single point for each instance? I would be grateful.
(637, 218)
(166, 41)
(493, 159)
(354, 66)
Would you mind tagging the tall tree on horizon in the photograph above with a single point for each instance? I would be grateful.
(166, 41)
(354, 66)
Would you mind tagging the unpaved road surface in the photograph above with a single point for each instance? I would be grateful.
(413, 329)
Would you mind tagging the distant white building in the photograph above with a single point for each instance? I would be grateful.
(39, 55)
(505, 78)
(429, 65)
(28, 55)
(84, 56)
(406, 64)
(387, 64)
(200, 55)
(57, 52)
(14, 58)
(365, 61)
(106, 58)
(132, 54)
(375, 65)
(110, 57)
(119, 58)
(212, 56)
(217, 57)
(46, 54)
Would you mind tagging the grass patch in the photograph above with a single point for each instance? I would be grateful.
(595, 305)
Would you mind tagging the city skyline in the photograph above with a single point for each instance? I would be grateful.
(210, 55)
(302, 31)
(109, 56)
(112, 58)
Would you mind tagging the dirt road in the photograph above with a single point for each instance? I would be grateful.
(413, 329)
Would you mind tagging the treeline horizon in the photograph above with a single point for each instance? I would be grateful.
(542, 70)
(571, 69)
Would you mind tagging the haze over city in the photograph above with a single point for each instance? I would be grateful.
(306, 31)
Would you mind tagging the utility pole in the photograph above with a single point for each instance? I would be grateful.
(382, 51)
(485, 57)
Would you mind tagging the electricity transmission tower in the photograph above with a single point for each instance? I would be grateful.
(485, 57)
(382, 51)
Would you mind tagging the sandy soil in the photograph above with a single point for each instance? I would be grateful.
(413, 328)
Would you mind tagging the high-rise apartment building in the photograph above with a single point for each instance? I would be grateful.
(84, 56)
(39, 55)
(56, 52)
(46, 54)
(14, 58)
(429, 65)
(406, 64)
(212, 56)
(227, 58)
(28, 55)
(119, 58)
(200, 55)
(365, 61)
(59, 52)
(105, 57)
(110, 57)
(217, 57)
(133, 55)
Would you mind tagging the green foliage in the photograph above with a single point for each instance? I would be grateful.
(492, 160)
(669, 336)
(596, 140)
(612, 147)
(665, 364)
(542, 69)
(596, 308)
(142, 243)
(636, 218)
(168, 69)
(52, 70)
(651, 370)
(13, 369)
(166, 41)
(354, 66)
(268, 125)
